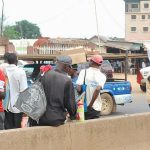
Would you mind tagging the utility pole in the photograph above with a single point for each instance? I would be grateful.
(2, 18)
(97, 25)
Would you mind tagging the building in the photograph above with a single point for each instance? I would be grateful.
(21, 45)
(6, 46)
(137, 20)
(46, 45)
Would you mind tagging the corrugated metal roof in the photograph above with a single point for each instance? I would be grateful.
(123, 45)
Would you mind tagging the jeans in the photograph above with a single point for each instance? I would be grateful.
(12, 120)
(2, 117)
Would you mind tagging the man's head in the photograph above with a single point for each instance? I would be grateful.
(96, 60)
(64, 63)
(12, 58)
(73, 71)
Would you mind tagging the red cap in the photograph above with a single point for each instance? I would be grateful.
(98, 59)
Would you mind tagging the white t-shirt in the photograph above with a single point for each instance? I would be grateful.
(93, 79)
(18, 83)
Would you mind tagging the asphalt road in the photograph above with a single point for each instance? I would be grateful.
(138, 105)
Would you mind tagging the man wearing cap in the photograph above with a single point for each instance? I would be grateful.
(94, 80)
(59, 93)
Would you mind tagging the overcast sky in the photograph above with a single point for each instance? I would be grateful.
(69, 18)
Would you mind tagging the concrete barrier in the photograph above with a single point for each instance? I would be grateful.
(116, 133)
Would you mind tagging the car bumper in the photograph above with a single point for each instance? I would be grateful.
(123, 99)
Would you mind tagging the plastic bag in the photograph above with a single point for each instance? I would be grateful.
(32, 101)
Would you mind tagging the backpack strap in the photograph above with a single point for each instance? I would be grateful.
(84, 77)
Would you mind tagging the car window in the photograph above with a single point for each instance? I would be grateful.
(29, 71)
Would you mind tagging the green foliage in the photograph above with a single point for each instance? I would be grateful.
(11, 33)
(22, 29)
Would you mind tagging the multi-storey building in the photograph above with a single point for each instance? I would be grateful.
(137, 20)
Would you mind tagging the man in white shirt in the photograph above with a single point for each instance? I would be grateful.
(17, 82)
(95, 80)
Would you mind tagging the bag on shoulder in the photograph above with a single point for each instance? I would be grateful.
(32, 101)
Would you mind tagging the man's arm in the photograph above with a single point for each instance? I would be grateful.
(69, 99)
(95, 95)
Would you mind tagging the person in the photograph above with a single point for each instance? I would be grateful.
(148, 89)
(59, 93)
(73, 73)
(2, 89)
(94, 80)
(17, 82)
(2, 95)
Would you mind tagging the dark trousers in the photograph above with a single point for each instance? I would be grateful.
(12, 120)
(2, 116)
(92, 114)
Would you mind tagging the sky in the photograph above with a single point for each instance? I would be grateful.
(69, 18)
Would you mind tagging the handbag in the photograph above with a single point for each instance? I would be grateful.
(84, 90)
(32, 101)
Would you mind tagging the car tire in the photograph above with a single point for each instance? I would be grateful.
(143, 88)
(107, 104)
(114, 108)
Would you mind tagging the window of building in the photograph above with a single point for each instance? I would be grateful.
(133, 16)
(143, 17)
(146, 5)
(134, 6)
(145, 29)
(133, 29)
(148, 17)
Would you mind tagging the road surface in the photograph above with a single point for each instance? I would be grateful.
(139, 103)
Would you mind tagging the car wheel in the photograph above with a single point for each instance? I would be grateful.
(107, 104)
(143, 88)
(114, 108)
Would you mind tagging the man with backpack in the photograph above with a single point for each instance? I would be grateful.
(59, 93)
(94, 80)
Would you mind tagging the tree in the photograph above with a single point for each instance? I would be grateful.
(22, 29)
(11, 33)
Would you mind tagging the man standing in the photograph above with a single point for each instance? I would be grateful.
(17, 82)
(94, 81)
(59, 93)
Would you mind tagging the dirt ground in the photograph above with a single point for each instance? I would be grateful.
(132, 79)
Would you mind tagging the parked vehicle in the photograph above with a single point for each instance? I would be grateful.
(142, 76)
(115, 93)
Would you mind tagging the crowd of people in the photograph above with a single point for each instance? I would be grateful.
(62, 86)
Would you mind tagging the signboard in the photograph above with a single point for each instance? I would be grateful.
(78, 55)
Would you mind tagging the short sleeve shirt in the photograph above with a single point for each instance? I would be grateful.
(94, 77)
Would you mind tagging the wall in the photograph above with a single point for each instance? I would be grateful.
(116, 133)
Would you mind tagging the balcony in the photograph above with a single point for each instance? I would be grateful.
(133, 10)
